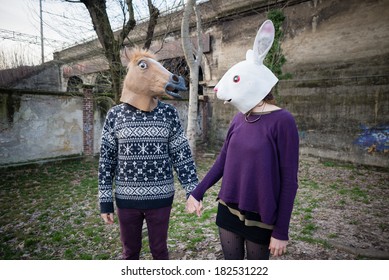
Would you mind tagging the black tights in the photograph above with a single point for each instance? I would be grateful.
(233, 247)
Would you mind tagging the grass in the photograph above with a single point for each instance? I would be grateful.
(336, 201)
(51, 212)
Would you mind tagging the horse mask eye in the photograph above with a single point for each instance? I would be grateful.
(142, 64)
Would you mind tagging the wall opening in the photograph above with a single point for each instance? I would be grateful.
(74, 84)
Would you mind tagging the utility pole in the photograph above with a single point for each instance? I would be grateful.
(42, 46)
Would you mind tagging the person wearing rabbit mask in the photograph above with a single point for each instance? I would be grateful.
(258, 161)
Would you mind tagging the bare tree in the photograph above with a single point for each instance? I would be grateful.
(193, 59)
(15, 58)
(112, 43)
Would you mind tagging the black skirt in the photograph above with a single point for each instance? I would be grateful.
(231, 222)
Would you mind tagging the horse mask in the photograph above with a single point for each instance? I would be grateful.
(147, 79)
(246, 83)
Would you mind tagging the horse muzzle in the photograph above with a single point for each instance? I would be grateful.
(174, 85)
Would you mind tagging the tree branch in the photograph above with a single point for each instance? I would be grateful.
(199, 54)
(129, 25)
(154, 14)
(186, 43)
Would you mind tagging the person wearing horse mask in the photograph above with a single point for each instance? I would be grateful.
(142, 142)
(258, 161)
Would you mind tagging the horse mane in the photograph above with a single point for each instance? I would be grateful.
(137, 53)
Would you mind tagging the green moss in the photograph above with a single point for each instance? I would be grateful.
(275, 59)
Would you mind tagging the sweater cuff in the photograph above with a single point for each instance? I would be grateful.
(106, 207)
(279, 235)
(197, 195)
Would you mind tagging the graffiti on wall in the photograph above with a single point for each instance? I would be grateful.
(374, 139)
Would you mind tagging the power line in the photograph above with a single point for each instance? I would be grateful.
(65, 17)
(25, 38)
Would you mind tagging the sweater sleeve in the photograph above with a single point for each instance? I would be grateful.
(288, 150)
(217, 169)
(181, 156)
(212, 177)
(107, 164)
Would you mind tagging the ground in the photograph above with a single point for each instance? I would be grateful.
(51, 211)
(341, 213)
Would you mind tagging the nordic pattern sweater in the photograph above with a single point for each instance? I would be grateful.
(139, 151)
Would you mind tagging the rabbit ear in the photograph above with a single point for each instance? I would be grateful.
(250, 55)
(263, 41)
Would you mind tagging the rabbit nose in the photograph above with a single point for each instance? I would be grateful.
(215, 89)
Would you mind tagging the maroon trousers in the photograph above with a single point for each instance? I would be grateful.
(131, 223)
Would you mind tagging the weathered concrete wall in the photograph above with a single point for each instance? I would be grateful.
(345, 119)
(49, 79)
(337, 54)
(37, 126)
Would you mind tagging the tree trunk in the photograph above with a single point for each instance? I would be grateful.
(154, 14)
(98, 13)
(111, 45)
(192, 110)
(194, 61)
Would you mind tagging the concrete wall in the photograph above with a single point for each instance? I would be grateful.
(337, 54)
(36, 126)
(344, 120)
(48, 79)
(42, 126)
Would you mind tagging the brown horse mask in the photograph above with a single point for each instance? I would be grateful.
(147, 80)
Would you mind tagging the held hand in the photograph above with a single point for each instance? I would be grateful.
(107, 217)
(192, 205)
(277, 247)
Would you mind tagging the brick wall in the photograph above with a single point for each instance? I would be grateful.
(88, 120)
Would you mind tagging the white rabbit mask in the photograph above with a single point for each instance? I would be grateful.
(246, 83)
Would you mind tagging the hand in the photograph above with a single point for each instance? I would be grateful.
(277, 247)
(192, 205)
(107, 217)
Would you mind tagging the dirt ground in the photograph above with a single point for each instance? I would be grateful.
(346, 209)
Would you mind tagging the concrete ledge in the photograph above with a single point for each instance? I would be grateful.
(40, 162)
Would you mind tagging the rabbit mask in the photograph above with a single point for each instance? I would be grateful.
(246, 83)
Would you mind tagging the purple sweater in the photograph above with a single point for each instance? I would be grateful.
(259, 166)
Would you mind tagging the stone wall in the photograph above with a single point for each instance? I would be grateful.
(344, 119)
(337, 54)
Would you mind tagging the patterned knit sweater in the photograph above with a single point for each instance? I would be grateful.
(139, 151)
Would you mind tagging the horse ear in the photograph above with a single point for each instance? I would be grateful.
(125, 56)
(263, 41)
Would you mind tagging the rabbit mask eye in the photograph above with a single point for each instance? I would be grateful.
(236, 79)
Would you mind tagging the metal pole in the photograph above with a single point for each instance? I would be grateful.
(42, 46)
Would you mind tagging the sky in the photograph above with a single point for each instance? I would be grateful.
(66, 23)
(23, 16)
